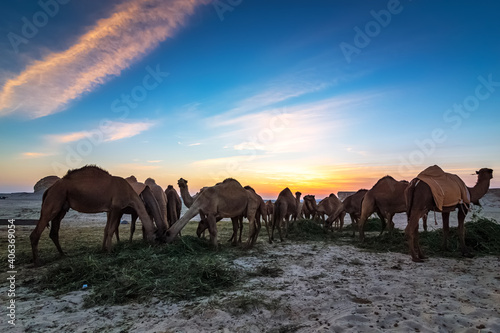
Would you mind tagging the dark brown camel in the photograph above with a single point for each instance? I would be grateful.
(309, 208)
(284, 207)
(420, 201)
(174, 205)
(352, 206)
(385, 198)
(89, 190)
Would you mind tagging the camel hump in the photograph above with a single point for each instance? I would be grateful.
(170, 187)
(150, 181)
(88, 170)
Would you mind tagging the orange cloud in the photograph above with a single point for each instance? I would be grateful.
(133, 29)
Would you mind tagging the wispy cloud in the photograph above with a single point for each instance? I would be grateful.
(277, 91)
(134, 28)
(35, 155)
(194, 144)
(113, 132)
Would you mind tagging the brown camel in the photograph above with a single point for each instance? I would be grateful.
(334, 208)
(420, 201)
(385, 198)
(186, 197)
(154, 204)
(226, 199)
(298, 211)
(89, 190)
(352, 206)
(284, 207)
(310, 207)
(174, 205)
(270, 210)
(238, 220)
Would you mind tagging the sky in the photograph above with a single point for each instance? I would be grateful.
(320, 96)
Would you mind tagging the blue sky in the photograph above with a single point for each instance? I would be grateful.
(320, 96)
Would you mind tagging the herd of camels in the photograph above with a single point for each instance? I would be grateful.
(91, 189)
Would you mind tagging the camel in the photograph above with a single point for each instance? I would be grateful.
(385, 198)
(237, 221)
(352, 206)
(155, 204)
(420, 201)
(334, 208)
(186, 197)
(89, 190)
(174, 205)
(310, 207)
(284, 207)
(226, 199)
(298, 211)
(270, 210)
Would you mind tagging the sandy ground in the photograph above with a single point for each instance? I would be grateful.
(322, 287)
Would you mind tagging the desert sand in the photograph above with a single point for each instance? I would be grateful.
(319, 287)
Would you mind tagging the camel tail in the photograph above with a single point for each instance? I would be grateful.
(409, 193)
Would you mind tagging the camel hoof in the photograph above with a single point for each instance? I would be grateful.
(468, 255)
(417, 260)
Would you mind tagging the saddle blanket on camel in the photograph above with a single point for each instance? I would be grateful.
(447, 189)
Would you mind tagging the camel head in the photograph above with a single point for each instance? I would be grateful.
(131, 179)
(182, 183)
(170, 187)
(202, 226)
(484, 174)
(150, 181)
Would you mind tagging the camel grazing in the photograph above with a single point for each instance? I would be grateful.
(385, 198)
(421, 199)
(310, 207)
(352, 206)
(155, 204)
(334, 208)
(174, 205)
(89, 190)
(226, 199)
(284, 207)
(237, 221)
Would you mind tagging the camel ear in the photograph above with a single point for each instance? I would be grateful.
(477, 172)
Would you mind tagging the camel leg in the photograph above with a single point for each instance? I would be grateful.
(462, 212)
(48, 213)
(390, 223)
(233, 238)
(424, 222)
(212, 229)
(240, 225)
(446, 230)
(258, 226)
(411, 232)
(286, 224)
(112, 223)
(133, 220)
(54, 230)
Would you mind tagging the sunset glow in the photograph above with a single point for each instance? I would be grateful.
(272, 94)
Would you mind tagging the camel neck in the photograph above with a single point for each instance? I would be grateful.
(479, 190)
(186, 197)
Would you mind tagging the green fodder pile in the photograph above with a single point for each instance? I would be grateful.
(186, 269)
(306, 230)
(482, 236)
